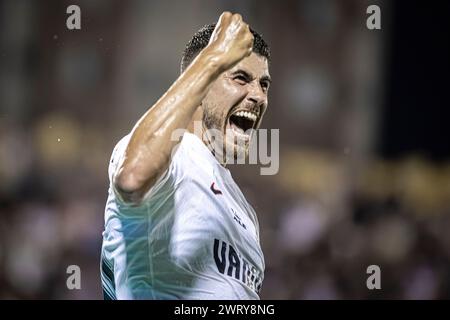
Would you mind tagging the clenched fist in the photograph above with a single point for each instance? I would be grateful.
(231, 40)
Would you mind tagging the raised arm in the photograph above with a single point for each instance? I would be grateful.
(147, 154)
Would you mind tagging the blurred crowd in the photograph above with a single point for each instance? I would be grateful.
(335, 207)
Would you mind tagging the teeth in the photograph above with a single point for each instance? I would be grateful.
(246, 114)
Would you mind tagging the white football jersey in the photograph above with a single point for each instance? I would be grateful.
(193, 237)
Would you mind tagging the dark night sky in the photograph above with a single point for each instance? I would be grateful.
(416, 116)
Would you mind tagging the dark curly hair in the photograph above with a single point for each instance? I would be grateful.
(201, 39)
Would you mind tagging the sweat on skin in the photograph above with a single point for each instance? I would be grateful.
(225, 77)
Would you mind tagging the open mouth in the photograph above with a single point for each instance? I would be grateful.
(242, 121)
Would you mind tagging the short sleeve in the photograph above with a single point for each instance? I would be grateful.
(117, 155)
(167, 180)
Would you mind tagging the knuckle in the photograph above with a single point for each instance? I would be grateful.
(246, 30)
(225, 17)
(238, 17)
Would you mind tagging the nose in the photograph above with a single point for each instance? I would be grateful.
(256, 94)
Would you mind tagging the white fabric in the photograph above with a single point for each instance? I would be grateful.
(172, 245)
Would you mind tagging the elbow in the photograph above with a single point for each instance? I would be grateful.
(130, 188)
(132, 182)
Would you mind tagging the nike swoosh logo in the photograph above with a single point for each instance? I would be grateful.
(215, 191)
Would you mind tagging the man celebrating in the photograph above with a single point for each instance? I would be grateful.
(176, 224)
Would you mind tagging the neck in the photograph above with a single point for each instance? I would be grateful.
(199, 129)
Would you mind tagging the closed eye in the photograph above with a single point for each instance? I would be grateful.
(241, 79)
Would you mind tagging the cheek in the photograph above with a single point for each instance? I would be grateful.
(229, 94)
(222, 96)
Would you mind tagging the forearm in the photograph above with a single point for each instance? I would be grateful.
(148, 152)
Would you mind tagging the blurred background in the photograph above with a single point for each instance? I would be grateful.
(364, 153)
